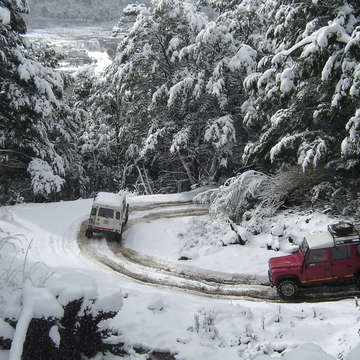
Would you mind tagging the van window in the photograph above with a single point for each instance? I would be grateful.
(106, 213)
(117, 215)
(93, 211)
(318, 255)
(341, 253)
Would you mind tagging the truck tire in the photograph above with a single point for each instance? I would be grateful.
(357, 280)
(287, 289)
(88, 233)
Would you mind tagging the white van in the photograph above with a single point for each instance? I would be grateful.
(109, 214)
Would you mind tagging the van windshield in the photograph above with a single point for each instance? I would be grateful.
(304, 247)
(106, 213)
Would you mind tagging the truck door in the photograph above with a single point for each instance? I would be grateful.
(318, 266)
(342, 262)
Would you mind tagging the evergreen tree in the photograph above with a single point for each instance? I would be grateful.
(176, 89)
(36, 127)
(306, 90)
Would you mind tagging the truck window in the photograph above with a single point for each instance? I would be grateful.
(106, 213)
(341, 253)
(93, 211)
(304, 247)
(117, 215)
(318, 255)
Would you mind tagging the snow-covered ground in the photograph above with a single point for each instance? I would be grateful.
(193, 327)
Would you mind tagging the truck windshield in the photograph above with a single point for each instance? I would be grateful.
(304, 247)
(106, 213)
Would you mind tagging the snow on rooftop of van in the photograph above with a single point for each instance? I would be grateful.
(319, 240)
(107, 198)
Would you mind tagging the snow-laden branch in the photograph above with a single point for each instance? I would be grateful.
(318, 38)
(36, 303)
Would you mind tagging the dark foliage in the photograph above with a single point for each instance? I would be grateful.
(79, 331)
(38, 345)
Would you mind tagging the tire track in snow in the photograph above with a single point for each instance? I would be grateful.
(159, 273)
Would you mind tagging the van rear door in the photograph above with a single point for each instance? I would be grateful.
(105, 219)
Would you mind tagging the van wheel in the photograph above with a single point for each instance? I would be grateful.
(88, 234)
(110, 236)
(287, 289)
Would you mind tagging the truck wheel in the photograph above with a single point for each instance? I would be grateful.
(88, 234)
(357, 280)
(287, 289)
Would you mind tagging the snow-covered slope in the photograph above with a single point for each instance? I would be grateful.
(191, 326)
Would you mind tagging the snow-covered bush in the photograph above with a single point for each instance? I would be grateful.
(254, 195)
(204, 324)
(237, 195)
(48, 328)
(82, 330)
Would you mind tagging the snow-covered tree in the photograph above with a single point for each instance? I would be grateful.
(263, 84)
(305, 89)
(36, 127)
(98, 146)
(176, 85)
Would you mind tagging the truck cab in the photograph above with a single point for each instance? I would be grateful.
(108, 215)
(325, 257)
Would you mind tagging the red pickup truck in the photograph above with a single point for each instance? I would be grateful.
(325, 257)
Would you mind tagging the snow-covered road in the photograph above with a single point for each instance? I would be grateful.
(159, 272)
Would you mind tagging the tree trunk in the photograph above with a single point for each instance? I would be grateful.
(142, 180)
(147, 181)
(187, 169)
(214, 168)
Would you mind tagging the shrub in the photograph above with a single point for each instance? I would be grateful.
(255, 195)
(80, 333)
